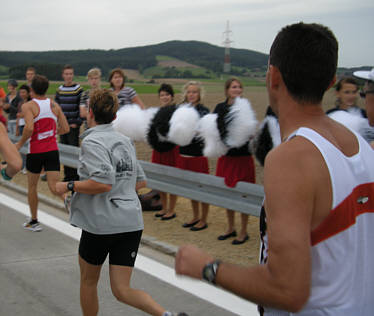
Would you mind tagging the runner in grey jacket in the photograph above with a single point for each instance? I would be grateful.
(106, 206)
(108, 157)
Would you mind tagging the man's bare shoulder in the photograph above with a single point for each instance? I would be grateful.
(30, 105)
(297, 148)
(55, 105)
(297, 159)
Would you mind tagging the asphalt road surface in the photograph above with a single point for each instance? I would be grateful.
(39, 273)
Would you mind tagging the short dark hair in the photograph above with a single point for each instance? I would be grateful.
(167, 88)
(344, 80)
(306, 56)
(13, 83)
(67, 66)
(31, 69)
(40, 84)
(24, 87)
(104, 105)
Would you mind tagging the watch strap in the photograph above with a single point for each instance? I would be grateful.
(4, 175)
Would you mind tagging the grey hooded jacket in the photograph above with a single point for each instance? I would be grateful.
(108, 157)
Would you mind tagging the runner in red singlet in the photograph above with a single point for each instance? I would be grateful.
(44, 120)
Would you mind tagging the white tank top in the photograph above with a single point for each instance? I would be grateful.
(342, 249)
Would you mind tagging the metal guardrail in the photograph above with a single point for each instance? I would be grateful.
(245, 197)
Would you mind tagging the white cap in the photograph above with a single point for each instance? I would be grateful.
(368, 75)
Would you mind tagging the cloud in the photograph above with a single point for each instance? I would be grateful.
(51, 25)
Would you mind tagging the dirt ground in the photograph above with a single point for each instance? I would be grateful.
(171, 231)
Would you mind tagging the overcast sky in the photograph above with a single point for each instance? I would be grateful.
(40, 25)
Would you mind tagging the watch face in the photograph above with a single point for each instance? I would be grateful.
(70, 186)
(209, 273)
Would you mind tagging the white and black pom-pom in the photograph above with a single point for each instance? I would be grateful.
(208, 131)
(183, 125)
(159, 129)
(237, 123)
(133, 122)
(267, 137)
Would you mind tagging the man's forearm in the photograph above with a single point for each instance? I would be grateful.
(251, 283)
(25, 136)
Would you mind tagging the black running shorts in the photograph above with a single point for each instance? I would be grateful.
(122, 248)
(50, 161)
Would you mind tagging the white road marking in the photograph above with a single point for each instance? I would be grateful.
(202, 290)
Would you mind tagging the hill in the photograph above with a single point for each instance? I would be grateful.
(192, 53)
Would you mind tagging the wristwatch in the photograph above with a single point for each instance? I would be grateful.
(70, 186)
(210, 271)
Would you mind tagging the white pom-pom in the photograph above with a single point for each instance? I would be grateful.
(355, 123)
(133, 122)
(274, 129)
(183, 125)
(350, 121)
(149, 114)
(208, 131)
(241, 123)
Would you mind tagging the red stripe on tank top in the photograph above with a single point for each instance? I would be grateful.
(360, 201)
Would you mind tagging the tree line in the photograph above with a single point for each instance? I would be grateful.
(198, 53)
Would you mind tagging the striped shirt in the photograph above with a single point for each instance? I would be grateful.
(85, 96)
(69, 99)
(125, 96)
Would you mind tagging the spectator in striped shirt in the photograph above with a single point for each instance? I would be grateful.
(126, 95)
(68, 96)
(94, 80)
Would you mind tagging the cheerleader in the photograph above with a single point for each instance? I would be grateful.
(126, 95)
(346, 92)
(236, 165)
(166, 155)
(191, 156)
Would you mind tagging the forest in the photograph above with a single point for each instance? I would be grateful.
(201, 54)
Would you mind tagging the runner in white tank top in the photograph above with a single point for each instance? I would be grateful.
(341, 248)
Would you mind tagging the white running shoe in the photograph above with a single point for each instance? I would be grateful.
(34, 227)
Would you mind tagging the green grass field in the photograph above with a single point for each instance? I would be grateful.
(163, 58)
(139, 88)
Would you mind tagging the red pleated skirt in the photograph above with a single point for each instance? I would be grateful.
(197, 164)
(235, 169)
(168, 158)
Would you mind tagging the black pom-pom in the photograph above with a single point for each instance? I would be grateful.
(159, 128)
(222, 122)
(263, 144)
